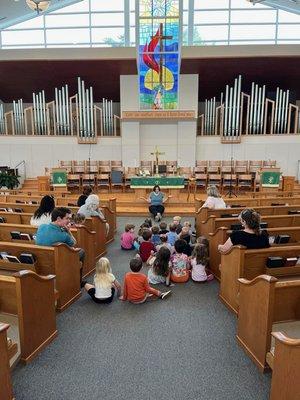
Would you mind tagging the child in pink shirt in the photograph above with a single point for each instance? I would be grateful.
(128, 238)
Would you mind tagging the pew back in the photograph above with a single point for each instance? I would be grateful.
(5, 378)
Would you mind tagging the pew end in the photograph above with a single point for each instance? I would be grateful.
(6, 352)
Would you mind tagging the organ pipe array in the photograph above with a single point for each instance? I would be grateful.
(2, 120)
(62, 111)
(65, 115)
(39, 113)
(240, 113)
(86, 110)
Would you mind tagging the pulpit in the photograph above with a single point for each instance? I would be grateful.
(269, 179)
(288, 183)
(43, 183)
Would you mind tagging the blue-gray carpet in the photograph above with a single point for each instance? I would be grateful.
(182, 348)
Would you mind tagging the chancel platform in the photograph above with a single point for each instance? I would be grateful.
(173, 183)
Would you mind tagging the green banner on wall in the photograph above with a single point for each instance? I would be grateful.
(59, 178)
(270, 179)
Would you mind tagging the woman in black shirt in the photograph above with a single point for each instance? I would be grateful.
(251, 236)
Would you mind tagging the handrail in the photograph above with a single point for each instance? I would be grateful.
(21, 162)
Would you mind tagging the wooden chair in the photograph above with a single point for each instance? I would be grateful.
(147, 165)
(103, 180)
(226, 163)
(202, 164)
(229, 180)
(68, 165)
(243, 163)
(73, 181)
(104, 163)
(78, 169)
(186, 172)
(215, 179)
(88, 180)
(117, 179)
(92, 167)
(213, 169)
(116, 163)
(245, 182)
(265, 305)
(201, 180)
(200, 170)
(240, 169)
(131, 172)
(226, 169)
(269, 163)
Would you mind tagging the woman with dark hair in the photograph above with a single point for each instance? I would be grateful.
(42, 214)
(156, 200)
(251, 236)
(87, 190)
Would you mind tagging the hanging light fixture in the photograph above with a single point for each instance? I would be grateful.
(38, 5)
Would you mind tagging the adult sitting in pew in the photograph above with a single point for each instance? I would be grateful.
(87, 190)
(58, 231)
(91, 209)
(42, 214)
(214, 199)
(251, 236)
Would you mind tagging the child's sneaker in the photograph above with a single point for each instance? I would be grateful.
(165, 294)
(210, 277)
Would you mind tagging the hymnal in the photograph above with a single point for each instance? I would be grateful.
(25, 236)
(19, 210)
(27, 258)
(3, 209)
(13, 259)
(2, 220)
(281, 239)
(275, 262)
(15, 235)
(290, 261)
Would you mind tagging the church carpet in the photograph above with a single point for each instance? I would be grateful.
(181, 348)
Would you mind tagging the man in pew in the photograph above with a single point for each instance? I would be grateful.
(58, 231)
(249, 236)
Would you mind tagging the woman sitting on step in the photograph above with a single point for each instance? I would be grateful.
(156, 200)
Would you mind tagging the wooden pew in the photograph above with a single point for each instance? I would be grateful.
(285, 364)
(24, 218)
(273, 221)
(280, 197)
(59, 260)
(31, 298)
(85, 238)
(5, 378)
(222, 234)
(204, 213)
(242, 263)
(266, 305)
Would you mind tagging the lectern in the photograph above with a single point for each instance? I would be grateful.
(59, 179)
(269, 179)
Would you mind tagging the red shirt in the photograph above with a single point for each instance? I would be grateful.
(145, 250)
(136, 286)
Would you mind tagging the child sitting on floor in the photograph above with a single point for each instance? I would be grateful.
(177, 222)
(172, 235)
(146, 247)
(161, 268)
(163, 228)
(128, 238)
(144, 226)
(164, 243)
(199, 261)
(105, 283)
(184, 235)
(136, 285)
(180, 263)
(155, 239)
(203, 240)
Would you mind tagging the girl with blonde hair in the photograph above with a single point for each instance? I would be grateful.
(214, 199)
(105, 283)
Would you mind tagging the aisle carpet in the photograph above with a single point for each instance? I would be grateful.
(182, 348)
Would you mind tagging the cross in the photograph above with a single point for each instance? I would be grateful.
(161, 37)
(156, 153)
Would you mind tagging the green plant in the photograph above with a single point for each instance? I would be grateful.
(9, 180)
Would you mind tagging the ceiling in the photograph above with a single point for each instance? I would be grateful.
(22, 78)
(15, 11)
(286, 5)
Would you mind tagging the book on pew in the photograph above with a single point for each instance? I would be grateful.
(12, 259)
(292, 212)
(277, 204)
(19, 210)
(3, 255)
(20, 202)
(25, 236)
(275, 262)
(236, 227)
(281, 239)
(3, 209)
(229, 215)
(290, 261)
(237, 206)
(10, 210)
(27, 258)
(2, 220)
(272, 239)
(34, 202)
(263, 225)
(15, 235)
(298, 261)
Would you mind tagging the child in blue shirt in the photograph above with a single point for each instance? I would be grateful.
(155, 239)
(172, 235)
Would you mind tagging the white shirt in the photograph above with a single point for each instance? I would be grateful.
(198, 271)
(103, 292)
(214, 202)
(44, 219)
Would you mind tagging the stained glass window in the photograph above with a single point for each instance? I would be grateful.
(158, 38)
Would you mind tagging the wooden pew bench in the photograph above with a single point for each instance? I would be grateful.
(284, 360)
(273, 221)
(59, 260)
(204, 213)
(242, 263)
(85, 238)
(267, 305)
(7, 351)
(27, 303)
(222, 234)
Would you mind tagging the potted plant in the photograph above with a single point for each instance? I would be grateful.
(9, 180)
